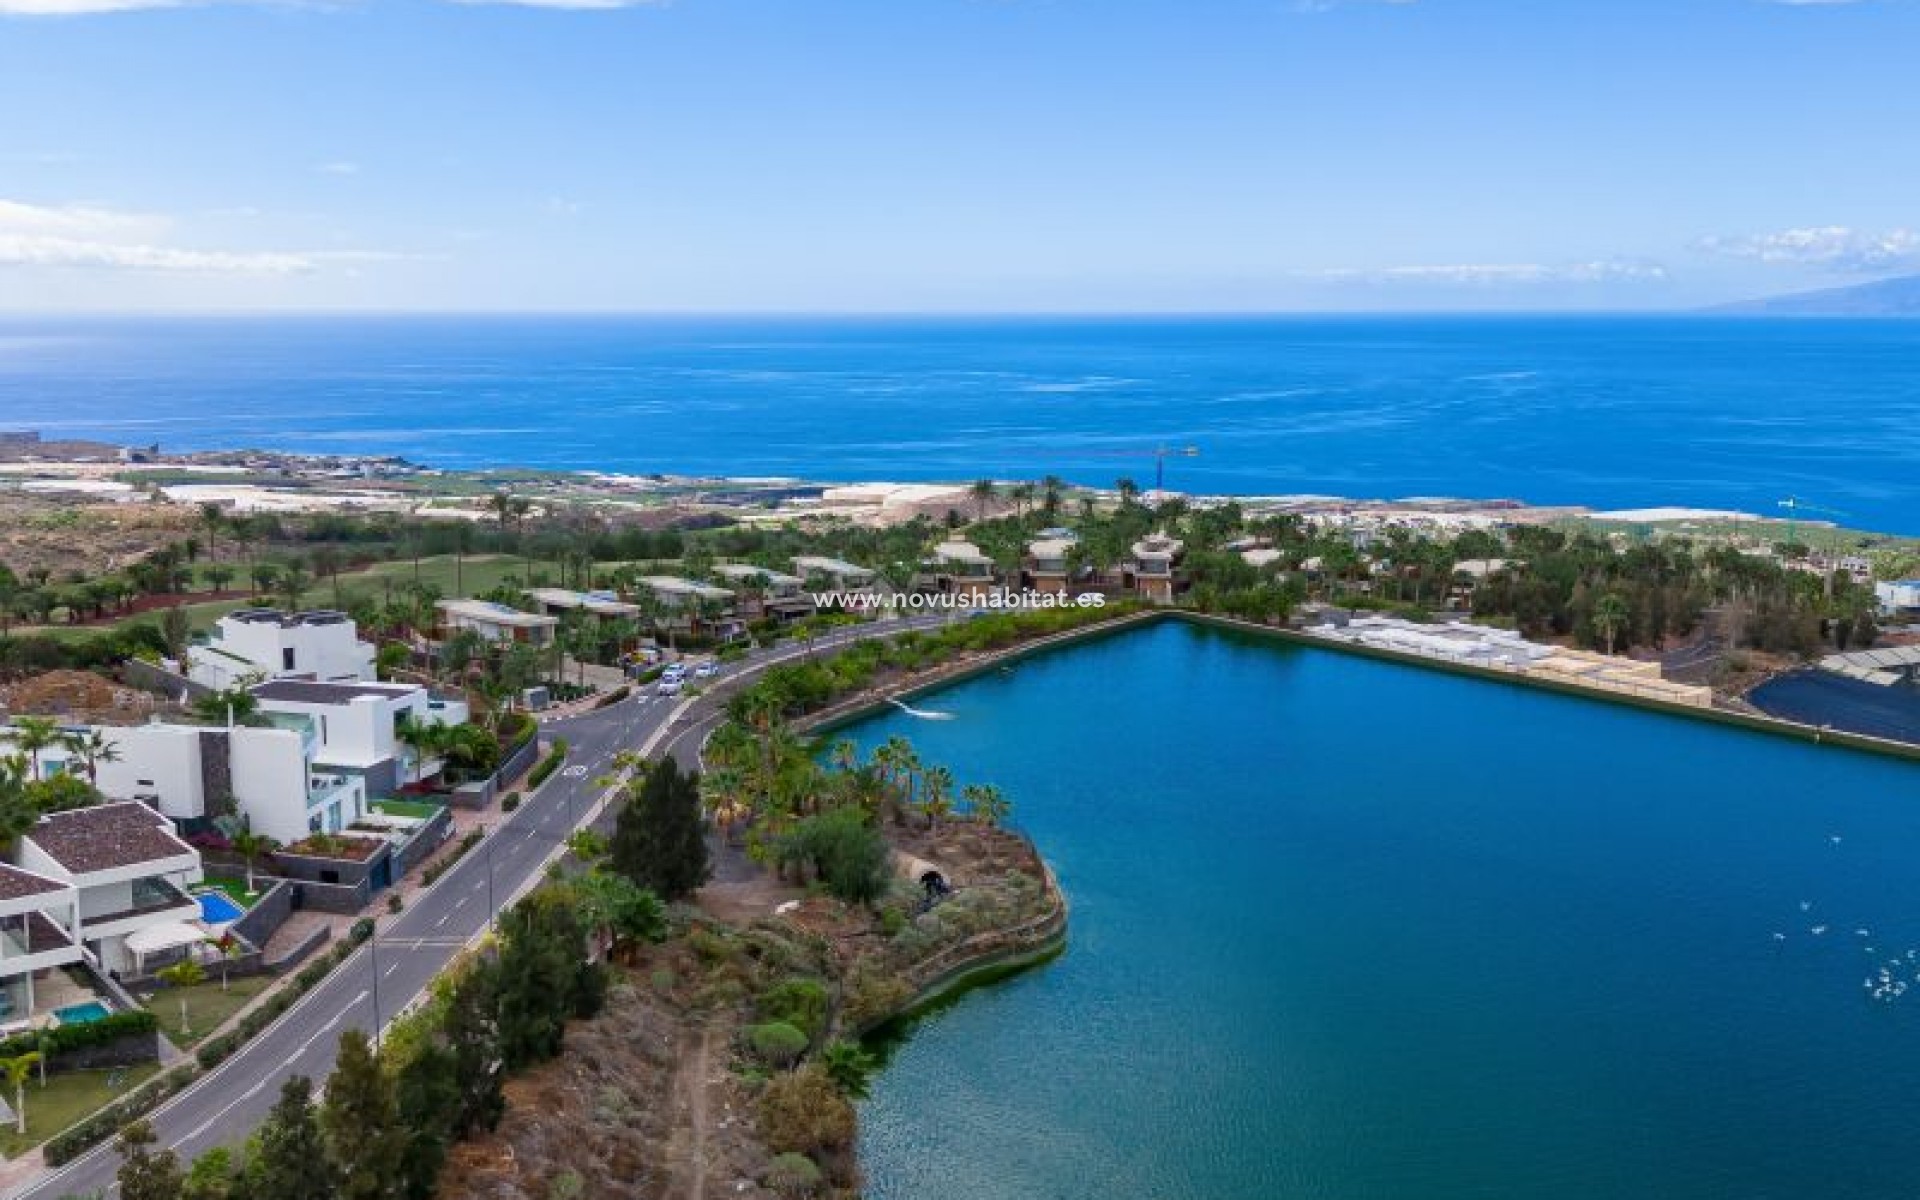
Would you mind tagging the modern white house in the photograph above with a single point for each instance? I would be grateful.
(266, 643)
(131, 873)
(276, 775)
(356, 728)
(1047, 566)
(39, 923)
(496, 622)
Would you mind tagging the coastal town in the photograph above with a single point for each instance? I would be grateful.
(260, 710)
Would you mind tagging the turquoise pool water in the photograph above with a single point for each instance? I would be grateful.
(217, 908)
(80, 1014)
(1349, 930)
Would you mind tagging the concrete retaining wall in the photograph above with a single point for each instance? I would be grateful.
(268, 913)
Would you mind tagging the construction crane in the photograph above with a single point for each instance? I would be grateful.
(1795, 506)
(1159, 455)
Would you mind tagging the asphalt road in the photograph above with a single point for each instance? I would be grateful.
(394, 969)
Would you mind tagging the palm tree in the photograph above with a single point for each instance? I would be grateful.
(182, 975)
(19, 1068)
(92, 748)
(31, 735)
(213, 519)
(1022, 494)
(293, 582)
(217, 577)
(1610, 615)
(1050, 491)
(230, 949)
(936, 795)
(983, 492)
(987, 803)
(1128, 489)
(250, 846)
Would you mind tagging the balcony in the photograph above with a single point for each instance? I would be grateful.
(324, 789)
(154, 894)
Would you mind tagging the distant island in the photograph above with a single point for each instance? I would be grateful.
(1882, 298)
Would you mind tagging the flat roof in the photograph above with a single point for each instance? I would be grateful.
(495, 614)
(605, 603)
(749, 571)
(300, 691)
(106, 837)
(832, 566)
(676, 586)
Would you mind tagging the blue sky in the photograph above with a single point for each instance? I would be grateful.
(938, 155)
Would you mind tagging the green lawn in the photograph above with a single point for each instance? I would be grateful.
(66, 1098)
(406, 808)
(235, 887)
(207, 1006)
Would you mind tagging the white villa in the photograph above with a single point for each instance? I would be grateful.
(39, 917)
(357, 726)
(266, 643)
(129, 873)
(605, 605)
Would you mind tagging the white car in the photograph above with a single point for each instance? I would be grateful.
(706, 670)
(669, 686)
(676, 671)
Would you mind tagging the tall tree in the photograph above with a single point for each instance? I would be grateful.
(290, 1162)
(659, 838)
(144, 1173)
(360, 1124)
(544, 978)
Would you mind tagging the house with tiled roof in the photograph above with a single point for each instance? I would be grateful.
(130, 872)
(39, 923)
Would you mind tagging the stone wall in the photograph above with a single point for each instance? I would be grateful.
(428, 838)
(268, 913)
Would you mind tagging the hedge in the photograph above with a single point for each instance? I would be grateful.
(509, 802)
(63, 1038)
(437, 869)
(615, 696)
(548, 765)
(103, 1123)
(221, 1046)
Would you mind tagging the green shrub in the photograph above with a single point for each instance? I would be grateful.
(63, 1039)
(510, 801)
(777, 1043)
(793, 1175)
(545, 768)
(800, 1002)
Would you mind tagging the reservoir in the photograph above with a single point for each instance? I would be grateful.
(1345, 929)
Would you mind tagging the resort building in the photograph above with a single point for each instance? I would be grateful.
(957, 568)
(605, 606)
(495, 622)
(356, 730)
(690, 607)
(39, 931)
(1151, 573)
(1503, 649)
(1901, 598)
(832, 574)
(761, 594)
(1047, 567)
(266, 643)
(131, 873)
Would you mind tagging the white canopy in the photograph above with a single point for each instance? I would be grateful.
(165, 936)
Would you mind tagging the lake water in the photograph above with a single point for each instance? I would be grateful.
(1610, 412)
(1350, 930)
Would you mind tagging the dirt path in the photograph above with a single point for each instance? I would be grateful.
(693, 1081)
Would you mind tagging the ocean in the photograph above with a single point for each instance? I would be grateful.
(1607, 412)
(1353, 930)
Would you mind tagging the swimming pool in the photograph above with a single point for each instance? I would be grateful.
(80, 1014)
(217, 909)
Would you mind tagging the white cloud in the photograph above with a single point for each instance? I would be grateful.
(1502, 274)
(76, 8)
(89, 236)
(339, 167)
(1827, 247)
